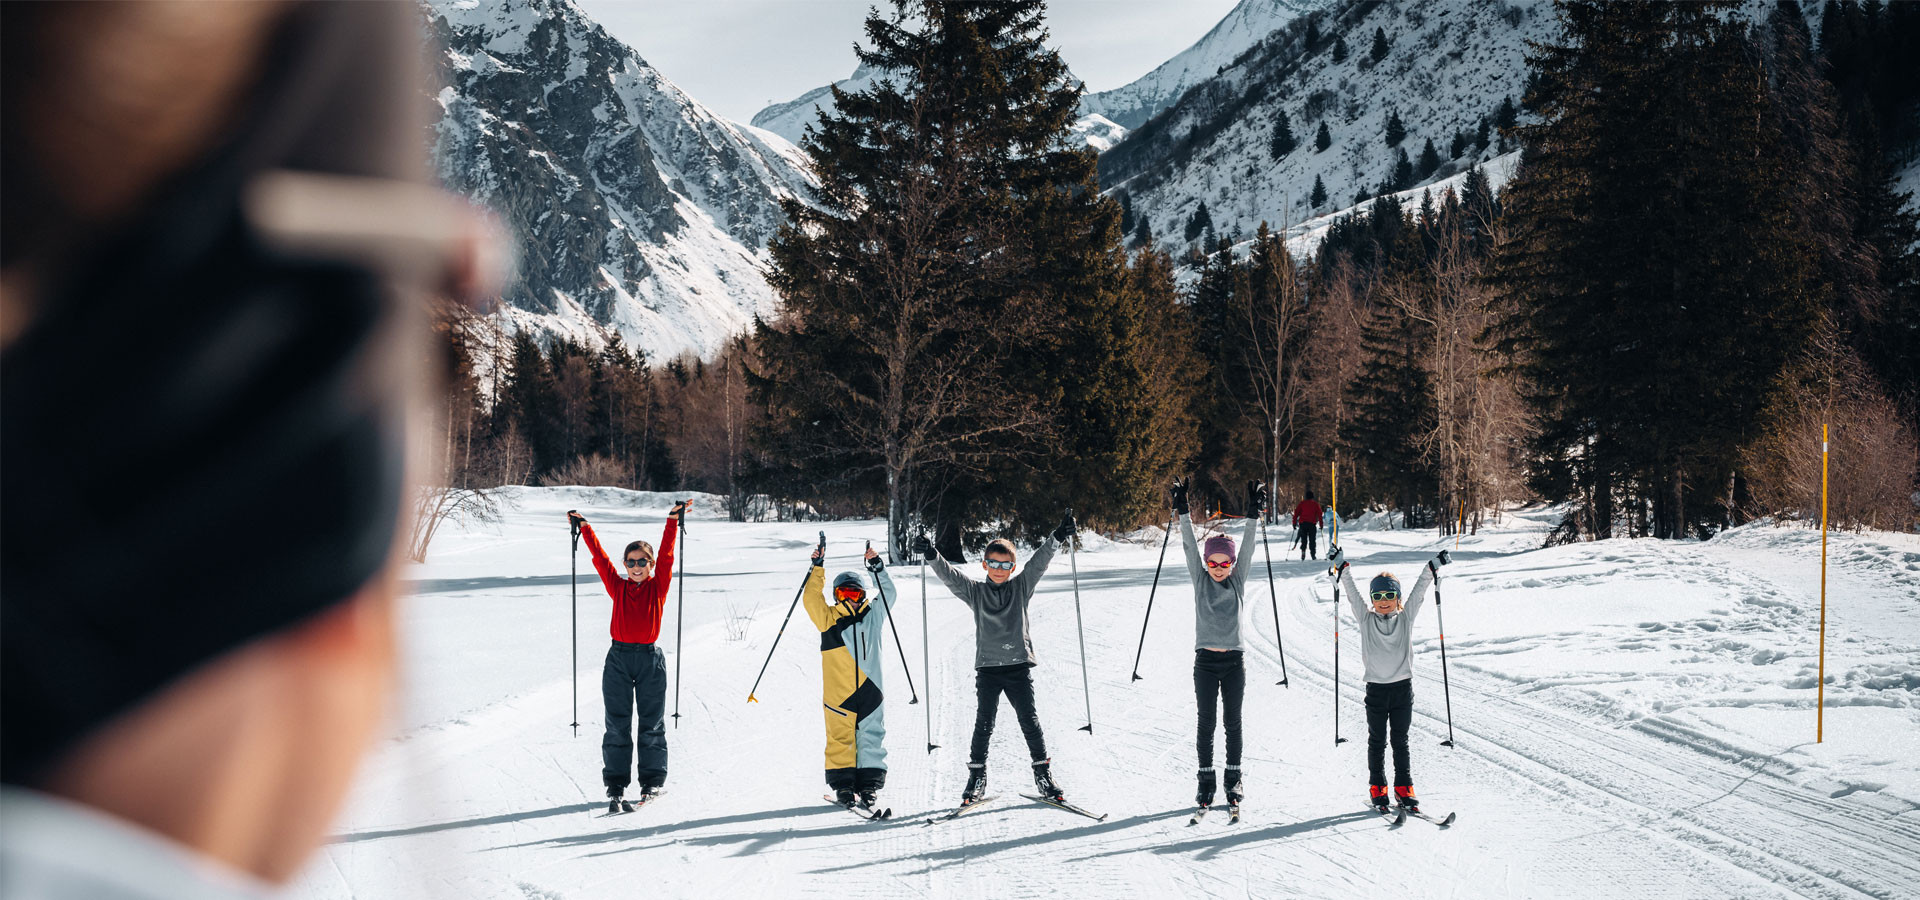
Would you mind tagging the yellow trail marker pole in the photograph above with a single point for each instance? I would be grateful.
(1333, 474)
(1463, 525)
(1820, 717)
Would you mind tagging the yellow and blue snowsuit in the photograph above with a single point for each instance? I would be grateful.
(850, 652)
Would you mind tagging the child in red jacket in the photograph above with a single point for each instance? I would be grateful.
(635, 674)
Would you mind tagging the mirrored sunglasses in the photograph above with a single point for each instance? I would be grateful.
(1001, 564)
(1219, 565)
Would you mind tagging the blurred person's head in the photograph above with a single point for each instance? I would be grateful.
(217, 225)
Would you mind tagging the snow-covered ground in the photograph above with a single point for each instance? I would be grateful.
(1632, 719)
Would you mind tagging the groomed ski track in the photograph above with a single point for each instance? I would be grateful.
(1562, 789)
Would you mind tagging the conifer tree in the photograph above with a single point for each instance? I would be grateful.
(1319, 197)
(1322, 139)
(1380, 46)
(1458, 147)
(1340, 49)
(1282, 142)
(1429, 161)
(1199, 222)
(1396, 130)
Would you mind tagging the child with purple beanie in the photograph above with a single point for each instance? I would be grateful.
(1219, 665)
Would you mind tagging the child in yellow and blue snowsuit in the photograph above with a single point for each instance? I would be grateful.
(850, 649)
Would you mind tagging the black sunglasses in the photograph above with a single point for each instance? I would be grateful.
(633, 563)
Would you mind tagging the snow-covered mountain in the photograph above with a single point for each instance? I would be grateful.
(1244, 26)
(1446, 68)
(633, 207)
(790, 119)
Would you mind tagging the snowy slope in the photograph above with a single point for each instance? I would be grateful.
(1632, 719)
(633, 207)
(790, 119)
(1449, 66)
(1242, 27)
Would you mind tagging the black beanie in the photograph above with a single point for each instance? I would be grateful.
(203, 436)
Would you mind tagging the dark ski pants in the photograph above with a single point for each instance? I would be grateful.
(1389, 705)
(1309, 548)
(1015, 681)
(1219, 675)
(635, 677)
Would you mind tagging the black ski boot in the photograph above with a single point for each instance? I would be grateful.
(649, 791)
(869, 800)
(614, 802)
(845, 798)
(1234, 794)
(1043, 782)
(1203, 795)
(976, 785)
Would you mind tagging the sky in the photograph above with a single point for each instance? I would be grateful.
(737, 56)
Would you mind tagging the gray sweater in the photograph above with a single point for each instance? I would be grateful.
(999, 610)
(1386, 642)
(1216, 604)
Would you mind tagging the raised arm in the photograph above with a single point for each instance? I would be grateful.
(663, 558)
(1354, 598)
(961, 586)
(814, 595)
(1195, 565)
(1245, 560)
(1036, 565)
(610, 577)
(1428, 573)
(884, 584)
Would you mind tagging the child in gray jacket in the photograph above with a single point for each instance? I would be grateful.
(1219, 657)
(1003, 657)
(1385, 622)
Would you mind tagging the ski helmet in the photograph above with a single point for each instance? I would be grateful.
(1382, 583)
(849, 579)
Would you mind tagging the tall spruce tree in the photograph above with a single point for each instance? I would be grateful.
(1396, 130)
(1321, 138)
(1282, 142)
(1655, 189)
(1380, 46)
(946, 284)
(1319, 197)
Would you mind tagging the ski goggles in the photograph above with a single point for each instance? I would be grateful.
(849, 592)
(639, 562)
(1001, 564)
(1219, 565)
(1385, 596)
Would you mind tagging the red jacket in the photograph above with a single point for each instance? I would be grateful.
(1308, 512)
(636, 607)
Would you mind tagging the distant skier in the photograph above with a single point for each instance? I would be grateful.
(1219, 665)
(1003, 651)
(1386, 650)
(635, 674)
(850, 632)
(1306, 523)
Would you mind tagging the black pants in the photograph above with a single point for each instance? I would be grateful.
(1389, 705)
(1016, 682)
(1219, 675)
(1308, 547)
(635, 677)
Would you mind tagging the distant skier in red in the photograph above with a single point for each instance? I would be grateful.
(635, 674)
(1306, 522)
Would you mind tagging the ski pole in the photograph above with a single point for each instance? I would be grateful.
(926, 654)
(1273, 597)
(1446, 687)
(1150, 592)
(1086, 688)
(680, 616)
(783, 626)
(574, 526)
(1337, 739)
(880, 586)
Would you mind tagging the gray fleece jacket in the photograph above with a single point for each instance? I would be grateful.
(999, 610)
(1386, 642)
(1217, 604)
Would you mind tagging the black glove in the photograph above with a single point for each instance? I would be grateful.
(923, 547)
(819, 558)
(1336, 557)
(1434, 564)
(876, 564)
(1256, 499)
(1179, 492)
(1064, 533)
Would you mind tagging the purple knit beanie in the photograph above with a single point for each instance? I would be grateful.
(1220, 543)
